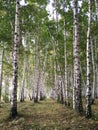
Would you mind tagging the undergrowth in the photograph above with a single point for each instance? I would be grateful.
(47, 115)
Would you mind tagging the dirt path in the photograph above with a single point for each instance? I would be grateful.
(48, 115)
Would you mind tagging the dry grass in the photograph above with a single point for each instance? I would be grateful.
(47, 115)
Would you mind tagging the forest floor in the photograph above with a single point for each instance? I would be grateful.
(47, 115)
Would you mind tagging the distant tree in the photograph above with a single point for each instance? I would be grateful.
(1, 68)
(22, 97)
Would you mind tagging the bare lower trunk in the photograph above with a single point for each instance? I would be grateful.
(23, 82)
(61, 89)
(37, 88)
(37, 70)
(97, 81)
(62, 94)
(83, 82)
(22, 95)
(94, 72)
(6, 89)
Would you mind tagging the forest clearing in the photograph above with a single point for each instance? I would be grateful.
(47, 115)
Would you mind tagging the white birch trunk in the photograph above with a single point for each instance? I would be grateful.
(65, 59)
(88, 82)
(1, 70)
(83, 81)
(94, 71)
(6, 89)
(55, 42)
(77, 74)
(23, 80)
(37, 71)
(96, 46)
(13, 109)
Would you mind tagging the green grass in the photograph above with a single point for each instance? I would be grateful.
(47, 115)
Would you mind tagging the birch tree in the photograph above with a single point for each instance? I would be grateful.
(13, 109)
(23, 80)
(65, 58)
(77, 74)
(37, 70)
(1, 70)
(96, 46)
(55, 41)
(88, 61)
(94, 71)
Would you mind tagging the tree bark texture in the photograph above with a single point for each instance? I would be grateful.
(13, 109)
(77, 74)
(88, 61)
